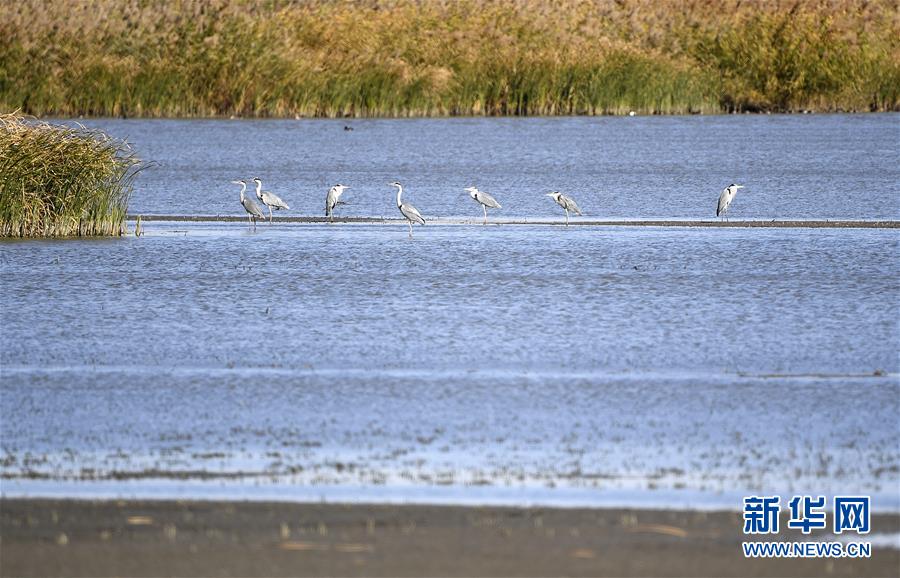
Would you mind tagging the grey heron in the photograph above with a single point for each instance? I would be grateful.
(483, 199)
(566, 202)
(411, 213)
(333, 199)
(725, 198)
(253, 210)
(270, 200)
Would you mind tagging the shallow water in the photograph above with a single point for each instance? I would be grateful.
(506, 364)
(515, 360)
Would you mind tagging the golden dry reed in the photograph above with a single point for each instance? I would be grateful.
(59, 181)
(335, 58)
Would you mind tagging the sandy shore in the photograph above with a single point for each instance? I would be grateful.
(140, 538)
(767, 224)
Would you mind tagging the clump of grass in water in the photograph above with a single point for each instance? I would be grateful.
(59, 181)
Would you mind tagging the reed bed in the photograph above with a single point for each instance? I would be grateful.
(335, 58)
(59, 181)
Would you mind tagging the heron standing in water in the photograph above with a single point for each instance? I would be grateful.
(725, 198)
(567, 203)
(484, 199)
(253, 210)
(270, 200)
(411, 213)
(333, 199)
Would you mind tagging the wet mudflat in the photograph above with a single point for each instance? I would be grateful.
(72, 538)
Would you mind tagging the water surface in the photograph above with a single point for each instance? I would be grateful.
(510, 364)
(829, 166)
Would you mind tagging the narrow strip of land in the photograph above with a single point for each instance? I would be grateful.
(774, 223)
(183, 538)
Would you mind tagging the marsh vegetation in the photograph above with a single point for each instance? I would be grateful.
(58, 181)
(430, 58)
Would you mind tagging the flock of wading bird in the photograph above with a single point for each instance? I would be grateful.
(412, 214)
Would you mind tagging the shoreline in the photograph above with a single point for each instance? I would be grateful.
(178, 537)
(745, 223)
(260, 487)
(345, 119)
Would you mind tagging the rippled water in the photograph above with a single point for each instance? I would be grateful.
(511, 363)
(836, 166)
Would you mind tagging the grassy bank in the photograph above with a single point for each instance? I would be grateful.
(58, 181)
(429, 57)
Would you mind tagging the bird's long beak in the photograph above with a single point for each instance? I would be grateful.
(236, 182)
(739, 186)
(548, 194)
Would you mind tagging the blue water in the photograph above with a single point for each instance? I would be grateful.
(507, 364)
(834, 166)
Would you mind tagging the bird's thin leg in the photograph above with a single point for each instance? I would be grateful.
(567, 217)
(485, 214)
(410, 229)
(270, 214)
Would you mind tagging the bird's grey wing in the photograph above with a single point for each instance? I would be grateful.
(253, 208)
(330, 201)
(257, 210)
(274, 201)
(486, 199)
(284, 205)
(411, 213)
(723, 202)
(572, 205)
